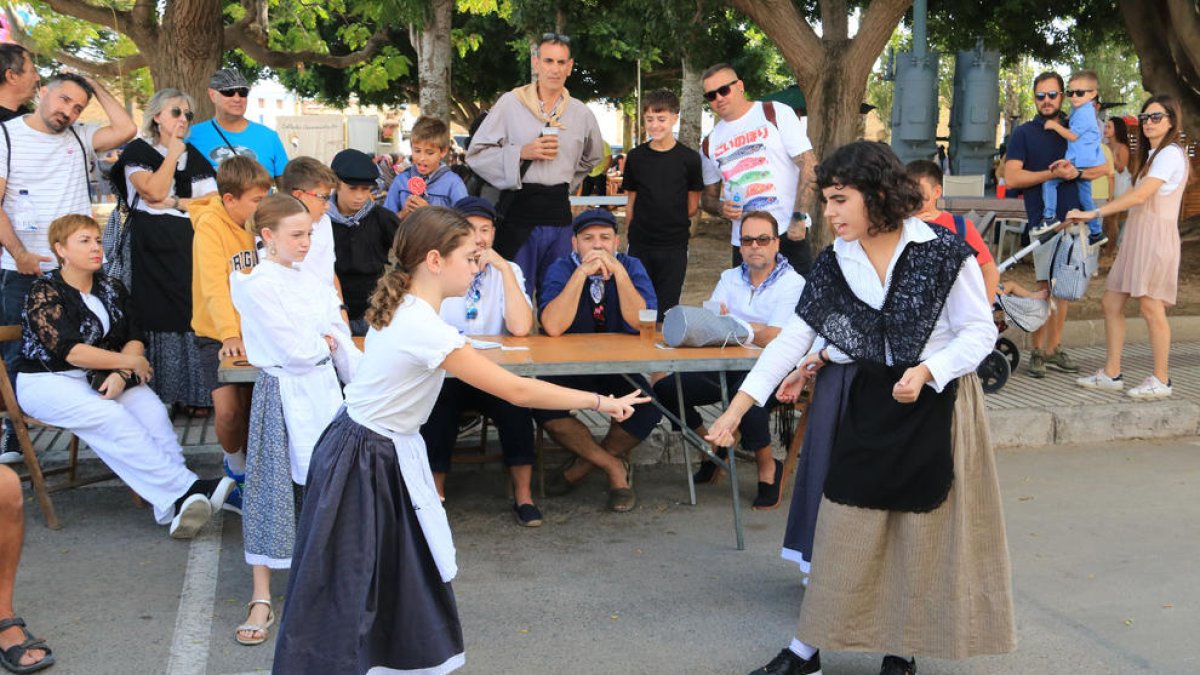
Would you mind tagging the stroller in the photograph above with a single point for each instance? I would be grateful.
(1028, 314)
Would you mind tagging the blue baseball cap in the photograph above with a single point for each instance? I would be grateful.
(593, 217)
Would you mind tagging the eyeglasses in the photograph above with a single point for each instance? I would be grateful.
(761, 240)
(242, 92)
(556, 37)
(1155, 117)
(176, 112)
(598, 316)
(318, 195)
(722, 90)
(1078, 92)
(1043, 95)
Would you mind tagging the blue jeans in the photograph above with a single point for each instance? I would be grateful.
(1086, 203)
(14, 286)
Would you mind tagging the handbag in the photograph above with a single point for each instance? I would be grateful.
(116, 242)
(685, 326)
(1071, 269)
(96, 378)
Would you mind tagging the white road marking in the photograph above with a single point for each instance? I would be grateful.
(193, 621)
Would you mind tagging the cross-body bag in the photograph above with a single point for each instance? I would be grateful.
(1071, 269)
(223, 137)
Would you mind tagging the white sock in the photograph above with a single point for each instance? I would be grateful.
(236, 461)
(802, 649)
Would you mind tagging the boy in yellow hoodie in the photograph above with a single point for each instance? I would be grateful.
(223, 245)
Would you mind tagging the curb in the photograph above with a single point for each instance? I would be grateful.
(1090, 332)
(1029, 428)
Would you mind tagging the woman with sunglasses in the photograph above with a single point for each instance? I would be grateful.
(156, 178)
(1147, 264)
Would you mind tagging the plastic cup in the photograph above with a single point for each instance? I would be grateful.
(1001, 191)
(647, 324)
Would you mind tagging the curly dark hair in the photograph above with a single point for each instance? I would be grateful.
(875, 171)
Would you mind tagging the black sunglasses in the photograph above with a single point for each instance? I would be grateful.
(176, 112)
(1042, 95)
(761, 240)
(1155, 117)
(556, 37)
(236, 91)
(722, 90)
(1078, 92)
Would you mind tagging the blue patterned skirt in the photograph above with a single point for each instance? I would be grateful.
(269, 503)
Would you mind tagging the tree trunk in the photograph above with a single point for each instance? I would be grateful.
(434, 55)
(691, 106)
(1165, 64)
(187, 49)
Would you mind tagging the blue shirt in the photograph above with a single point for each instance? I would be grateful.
(1084, 152)
(1036, 148)
(256, 141)
(445, 190)
(586, 314)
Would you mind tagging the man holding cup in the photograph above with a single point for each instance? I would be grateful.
(762, 293)
(535, 145)
(757, 158)
(595, 289)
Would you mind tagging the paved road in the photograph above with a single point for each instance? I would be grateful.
(1104, 542)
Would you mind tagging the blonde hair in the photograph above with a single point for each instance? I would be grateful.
(158, 103)
(65, 226)
(432, 228)
(272, 210)
(430, 130)
(238, 174)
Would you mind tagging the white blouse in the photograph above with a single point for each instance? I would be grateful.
(963, 335)
(200, 187)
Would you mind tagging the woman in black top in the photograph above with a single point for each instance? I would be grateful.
(82, 368)
(156, 177)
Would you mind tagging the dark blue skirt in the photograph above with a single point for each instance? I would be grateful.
(364, 590)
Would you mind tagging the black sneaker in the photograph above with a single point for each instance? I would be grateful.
(709, 471)
(527, 515)
(788, 663)
(1043, 227)
(894, 665)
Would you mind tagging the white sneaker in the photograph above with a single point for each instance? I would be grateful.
(190, 517)
(11, 457)
(219, 494)
(1100, 380)
(1151, 389)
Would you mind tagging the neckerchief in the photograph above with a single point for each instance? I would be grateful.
(596, 289)
(474, 293)
(528, 96)
(349, 221)
(781, 267)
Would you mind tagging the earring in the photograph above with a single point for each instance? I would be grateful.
(271, 248)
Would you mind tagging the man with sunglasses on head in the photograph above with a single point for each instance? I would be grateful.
(1036, 154)
(762, 293)
(757, 158)
(229, 133)
(595, 289)
(537, 144)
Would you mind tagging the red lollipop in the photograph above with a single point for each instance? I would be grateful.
(416, 185)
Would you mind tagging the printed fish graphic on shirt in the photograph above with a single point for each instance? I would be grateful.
(747, 164)
(759, 188)
(760, 203)
(744, 151)
(750, 177)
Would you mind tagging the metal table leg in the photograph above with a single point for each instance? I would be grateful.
(687, 457)
(733, 479)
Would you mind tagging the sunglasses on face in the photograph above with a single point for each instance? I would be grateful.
(176, 112)
(1155, 117)
(1078, 92)
(242, 92)
(1043, 95)
(761, 240)
(722, 90)
(556, 37)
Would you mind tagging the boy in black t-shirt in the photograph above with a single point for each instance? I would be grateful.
(663, 181)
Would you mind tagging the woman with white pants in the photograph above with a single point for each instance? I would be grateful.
(81, 369)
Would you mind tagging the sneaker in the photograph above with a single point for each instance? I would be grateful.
(528, 515)
(1046, 225)
(220, 493)
(1037, 364)
(233, 502)
(191, 513)
(1151, 389)
(1061, 362)
(788, 663)
(894, 665)
(1100, 380)
(10, 449)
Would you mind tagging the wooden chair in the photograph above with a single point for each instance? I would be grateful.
(793, 451)
(36, 475)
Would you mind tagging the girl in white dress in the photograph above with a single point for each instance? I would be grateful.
(370, 586)
(294, 333)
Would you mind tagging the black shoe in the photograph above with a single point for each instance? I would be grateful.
(788, 663)
(709, 471)
(768, 493)
(894, 665)
(528, 515)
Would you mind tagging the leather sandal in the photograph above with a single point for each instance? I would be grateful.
(255, 627)
(11, 657)
(621, 500)
(557, 484)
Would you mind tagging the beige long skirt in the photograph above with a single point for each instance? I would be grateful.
(934, 584)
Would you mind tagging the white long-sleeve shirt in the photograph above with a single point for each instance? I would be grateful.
(963, 335)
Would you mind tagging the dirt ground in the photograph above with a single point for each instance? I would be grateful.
(710, 255)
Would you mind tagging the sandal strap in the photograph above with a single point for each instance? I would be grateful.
(254, 602)
(5, 624)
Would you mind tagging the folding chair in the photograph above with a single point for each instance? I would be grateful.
(36, 476)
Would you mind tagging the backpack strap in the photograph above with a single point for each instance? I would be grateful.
(7, 157)
(960, 228)
(769, 113)
(87, 172)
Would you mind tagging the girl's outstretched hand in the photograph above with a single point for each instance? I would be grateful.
(621, 408)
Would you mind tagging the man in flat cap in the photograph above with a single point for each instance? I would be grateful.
(362, 232)
(596, 290)
(229, 133)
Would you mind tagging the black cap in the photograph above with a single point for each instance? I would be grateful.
(227, 78)
(593, 217)
(475, 206)
(355, 167)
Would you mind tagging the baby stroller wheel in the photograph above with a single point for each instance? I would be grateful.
(993, 372)
(1009, 349)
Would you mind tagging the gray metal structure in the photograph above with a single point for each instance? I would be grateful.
(975, 111)
(914, 101)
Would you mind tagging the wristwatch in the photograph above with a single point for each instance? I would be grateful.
(799, 216)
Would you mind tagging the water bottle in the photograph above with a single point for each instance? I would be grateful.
(24, 213)
(736, 197)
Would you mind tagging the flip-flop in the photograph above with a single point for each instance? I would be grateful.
(256, 627)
